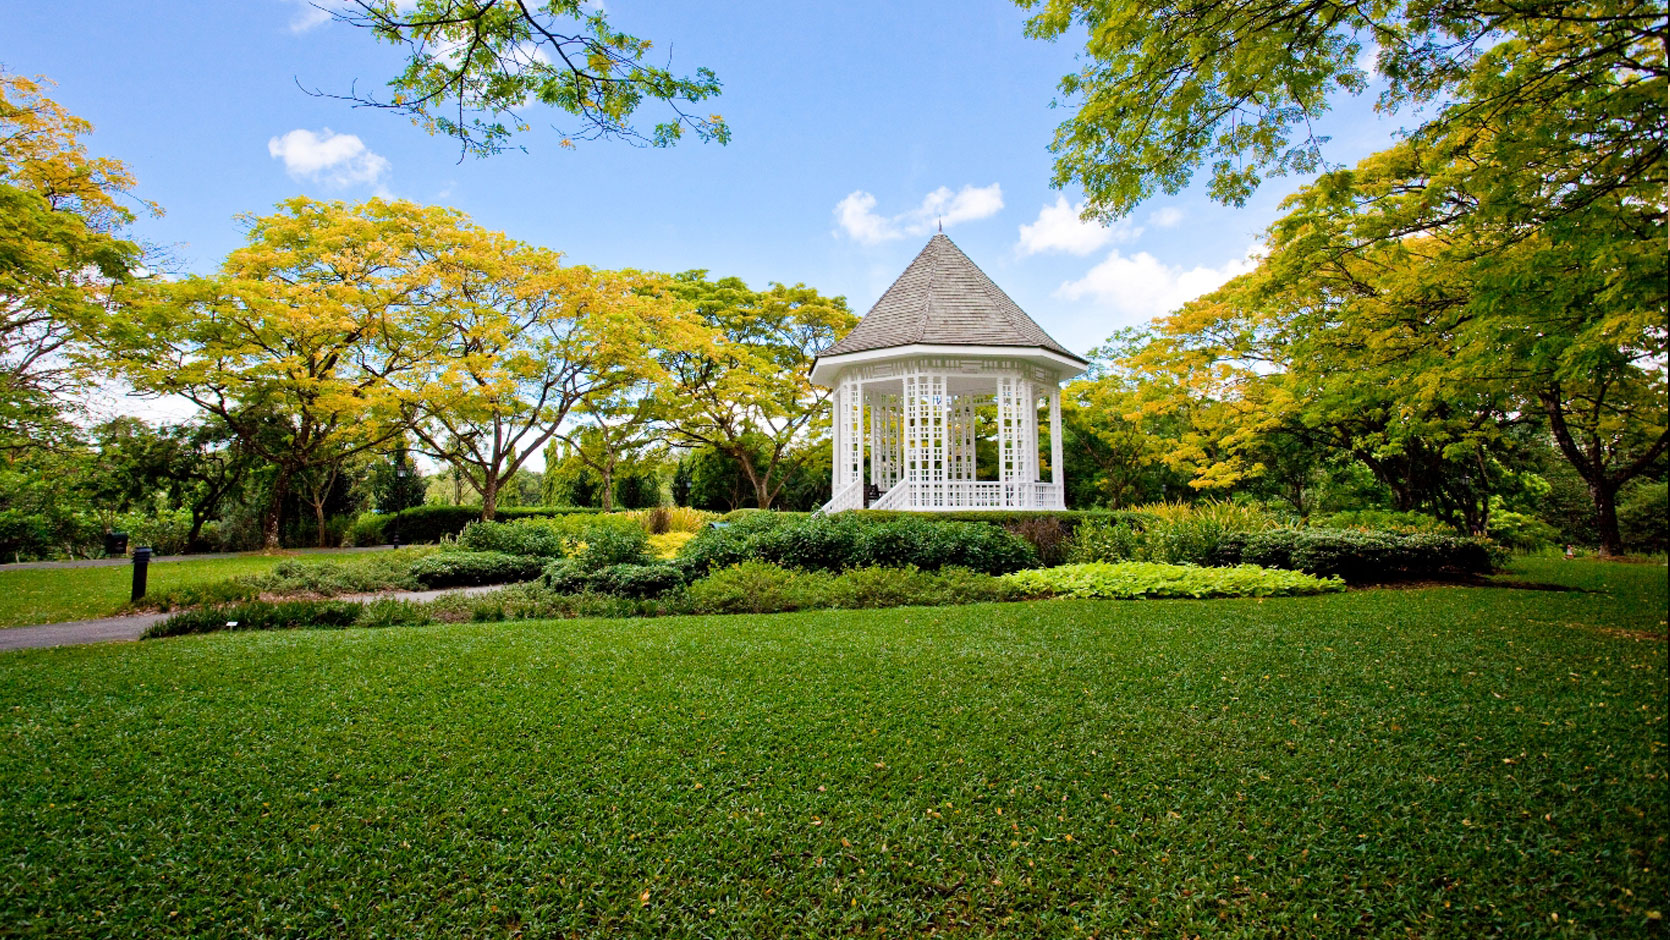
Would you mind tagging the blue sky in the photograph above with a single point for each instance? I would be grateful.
(856, 126)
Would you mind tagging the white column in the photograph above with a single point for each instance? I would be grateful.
(1056, 477)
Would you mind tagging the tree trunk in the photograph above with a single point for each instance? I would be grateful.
(319, 517)
(489, 496)
(275, 508)
(1605, 497)
(608, 475)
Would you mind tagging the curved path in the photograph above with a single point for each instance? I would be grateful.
(132, 626)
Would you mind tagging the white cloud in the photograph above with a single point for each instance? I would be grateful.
(1140, 287)
(1165, 216)
(857, 217)
(328, 157)
(309, 16)
(1059, 228)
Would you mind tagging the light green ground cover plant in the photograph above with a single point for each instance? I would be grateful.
(1137, 579)
(1442, 761)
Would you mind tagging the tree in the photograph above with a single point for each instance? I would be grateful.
(521, 340)
(393, 481)
(1168, 87)
(61, 212)
(751, 382)
(617, 428)
(473, 66)
(295, 343)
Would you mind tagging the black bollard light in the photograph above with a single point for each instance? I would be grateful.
(141, 562)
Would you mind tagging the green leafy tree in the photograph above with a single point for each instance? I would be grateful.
(1167, 88)
(473, 67)
(746, 392)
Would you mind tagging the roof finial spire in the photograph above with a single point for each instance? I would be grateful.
(942, 226)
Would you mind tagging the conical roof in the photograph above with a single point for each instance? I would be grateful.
(944, 299)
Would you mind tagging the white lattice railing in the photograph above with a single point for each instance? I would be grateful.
(951, 495)
(896, 497)
(850, 496)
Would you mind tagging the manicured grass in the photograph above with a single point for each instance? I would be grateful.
(1431, 762)
(54, 595)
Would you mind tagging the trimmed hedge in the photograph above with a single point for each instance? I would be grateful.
(848, 540)
(1141, 579)
(421, 524)
(1357, 556)
(462, 569)
(1049, 531)
(1360, 557)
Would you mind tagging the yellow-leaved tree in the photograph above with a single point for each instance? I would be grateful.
(296, 342)
(61, 215)
(520, 341)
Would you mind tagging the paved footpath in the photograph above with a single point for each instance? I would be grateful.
(132, 626)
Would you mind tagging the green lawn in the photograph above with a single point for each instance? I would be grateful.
(1428, 762)
(54, 595)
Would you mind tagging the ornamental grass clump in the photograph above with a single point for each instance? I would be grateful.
(1132, 580)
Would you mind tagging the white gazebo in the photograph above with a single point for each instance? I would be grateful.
(909, 382)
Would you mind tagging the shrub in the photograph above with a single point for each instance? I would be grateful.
(1381, 520)
(1169, 533)
(565, 577)
(462, 568)
(636, 580)
(421, 524)
(1130, 580)
(758, 587)
(1521, 532)
(848, 540)
(165, 531)
(1643, 518)
(1099, 542)
(258, 615)
(609, 544)
(522, 537)
(389, 612)
(376, 571)
(1049, 537)
(666, 546)
(1362, 557)
(368, 529)
(875, 587)
(664, 519)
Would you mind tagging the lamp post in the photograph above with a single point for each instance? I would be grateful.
(400, 474)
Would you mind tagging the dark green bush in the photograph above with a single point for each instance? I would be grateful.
(1644, 517)
(849, 540)
(1360, 557)
(629, 580)
(461, 569)
(565, 576)
(259, 615)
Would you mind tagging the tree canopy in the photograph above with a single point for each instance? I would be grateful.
(1167, 88)
(474, 67)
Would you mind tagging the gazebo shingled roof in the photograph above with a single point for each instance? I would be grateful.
(944, 299)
